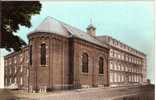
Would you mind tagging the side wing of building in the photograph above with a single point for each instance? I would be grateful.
(16, 69)
(127, 66)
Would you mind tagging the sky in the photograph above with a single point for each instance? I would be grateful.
(130, 22)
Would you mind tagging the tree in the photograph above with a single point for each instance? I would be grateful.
(13, 14)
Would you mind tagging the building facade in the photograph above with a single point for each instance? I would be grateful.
(60, 56)
(127, 65)
(16, 69)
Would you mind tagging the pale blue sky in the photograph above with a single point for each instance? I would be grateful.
(129, 22)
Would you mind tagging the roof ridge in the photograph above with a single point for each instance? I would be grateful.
(76, 28)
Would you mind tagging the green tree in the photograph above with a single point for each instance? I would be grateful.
(13, 14)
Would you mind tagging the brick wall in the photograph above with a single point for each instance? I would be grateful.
(92, 78)
(63, 64)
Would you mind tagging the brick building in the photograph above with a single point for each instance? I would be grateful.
(60, 56)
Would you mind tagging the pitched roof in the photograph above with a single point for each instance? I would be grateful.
(54, 26)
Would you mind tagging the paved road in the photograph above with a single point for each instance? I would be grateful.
(122, 93)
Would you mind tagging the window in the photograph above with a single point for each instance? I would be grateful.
(10, 70)
(123, 56)
(30, 55)
(115, 54)
(111, 65)
(119, 55)
(115, 66)
(101, 65)
(119, 67)
(21, 81)
(15, 80)
(21, 68)
(43, 54)
(129, 78)
(15, 69)
(118, 77)
(21, 57)
(115, 77)
(5, 71)
(111, 77)
(10, 61)
(15, 60)
(6, 81)
(27, 72)
(111, 53)
(122, 78)
(10, 80)
(85, 63)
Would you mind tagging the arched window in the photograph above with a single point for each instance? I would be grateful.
(101, 65)
(85, 63)
(43, 54)
(30, 55)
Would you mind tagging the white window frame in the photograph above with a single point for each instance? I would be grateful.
(21, 81)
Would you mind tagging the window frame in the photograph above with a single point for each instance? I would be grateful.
(85, 63)
(101, 67)
(43, 59)
(30, 55)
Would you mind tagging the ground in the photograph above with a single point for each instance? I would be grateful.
(101, 93)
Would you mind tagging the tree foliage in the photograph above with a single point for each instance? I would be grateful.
(13, 14)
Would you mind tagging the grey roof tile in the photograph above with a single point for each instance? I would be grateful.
(52, 25)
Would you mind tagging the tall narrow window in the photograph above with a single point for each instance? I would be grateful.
(15, 80)
(21, 81)
(21, 68)
(101, 65)
(30, 55)
(10, 80)
(15, 69)
(43, 54)
(85, 63)
(6, 81)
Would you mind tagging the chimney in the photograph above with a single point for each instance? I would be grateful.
(91, 29)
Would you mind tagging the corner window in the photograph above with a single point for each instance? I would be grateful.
(85, 63)
(43, 54)
(101, 65)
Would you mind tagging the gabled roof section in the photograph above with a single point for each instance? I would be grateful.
(54, 26)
